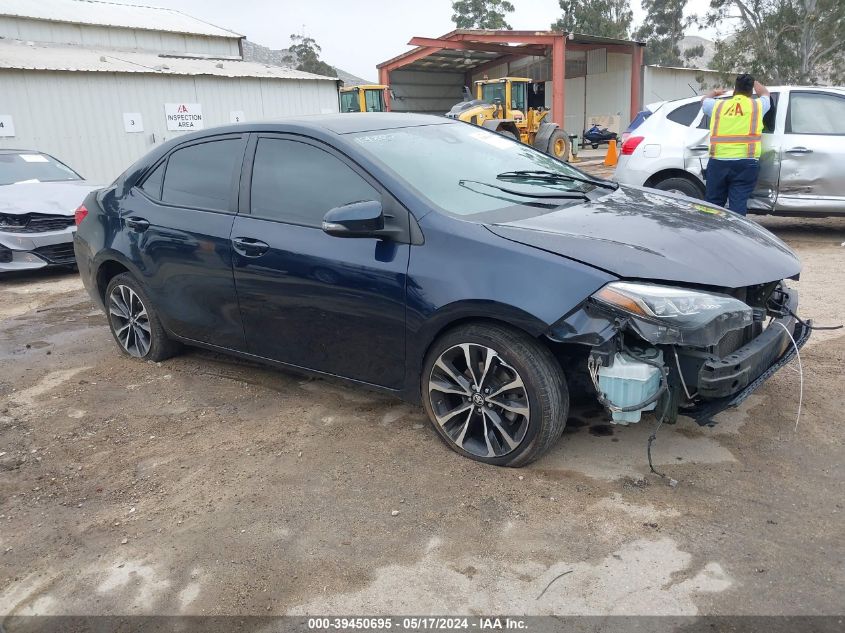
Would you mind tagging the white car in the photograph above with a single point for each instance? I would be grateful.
(802, 167)
(38, 198)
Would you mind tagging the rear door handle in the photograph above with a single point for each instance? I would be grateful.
(249, 247)
(137, 224)
(799, 150)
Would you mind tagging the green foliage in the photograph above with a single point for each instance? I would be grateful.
(781, 41)
(305, 53)
(605, 18)
(481, 14)
(662, 31)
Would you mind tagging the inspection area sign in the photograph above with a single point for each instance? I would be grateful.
(183, 117)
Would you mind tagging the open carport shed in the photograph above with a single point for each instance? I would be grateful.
(430, 78)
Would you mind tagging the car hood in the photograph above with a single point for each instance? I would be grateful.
(639, 233)
(60, 198)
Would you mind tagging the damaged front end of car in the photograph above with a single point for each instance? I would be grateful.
(677, 350)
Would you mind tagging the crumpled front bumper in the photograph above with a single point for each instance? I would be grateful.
(30, 251)
(726, 382)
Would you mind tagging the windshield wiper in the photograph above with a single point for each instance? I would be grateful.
(551, 176)
(567, 195)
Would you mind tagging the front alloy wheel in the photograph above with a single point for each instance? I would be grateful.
(494, 394)
(130, 321)
(479, 400)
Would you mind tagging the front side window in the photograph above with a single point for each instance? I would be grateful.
(201, 176)
(816, 113)
(462, 168)
(27, 167)
(298, 183)
(492, 92)
(349, 101)
(374, 100)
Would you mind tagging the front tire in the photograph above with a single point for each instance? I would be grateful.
(559, 145)
(494, 394)
(134, 323)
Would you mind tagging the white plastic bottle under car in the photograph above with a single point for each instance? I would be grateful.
(630, 381)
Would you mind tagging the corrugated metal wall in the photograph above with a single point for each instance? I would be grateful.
(666, 84)
(609, 93)
(78, 117)
(113, 37)
(426, 92)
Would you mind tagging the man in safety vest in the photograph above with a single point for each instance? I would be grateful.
(736, 127)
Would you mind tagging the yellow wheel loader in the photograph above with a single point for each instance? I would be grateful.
(501, 105)
(366, 98)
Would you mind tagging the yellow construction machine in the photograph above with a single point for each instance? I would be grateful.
(365, 98)
(501, 105)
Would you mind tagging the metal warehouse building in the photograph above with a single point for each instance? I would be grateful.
(97, 84)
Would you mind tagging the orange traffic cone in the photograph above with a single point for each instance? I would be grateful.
(610, 159)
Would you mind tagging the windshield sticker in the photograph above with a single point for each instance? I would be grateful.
(34, 158)
(492, 138)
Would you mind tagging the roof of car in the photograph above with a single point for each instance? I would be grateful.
(352, 122)
(19, 151)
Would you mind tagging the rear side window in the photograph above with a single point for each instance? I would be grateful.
(815, 113)
(152, 183)
(201, 176)
(299, 183)
(685, 114)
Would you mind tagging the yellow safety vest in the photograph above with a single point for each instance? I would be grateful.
(736, 128)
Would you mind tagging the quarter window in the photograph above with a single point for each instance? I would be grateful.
(152, 183)
(685, 114)
(201, 176)
(816, 113)
(299, 183)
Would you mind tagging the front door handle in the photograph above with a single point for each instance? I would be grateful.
(699, 148)
(137, 224)
(249, 247)
(799, 150)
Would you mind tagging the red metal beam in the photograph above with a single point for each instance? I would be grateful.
(408, 58)
(493, 38)
(384, 78)
(476, 46)
(558, 79)
(636, 73)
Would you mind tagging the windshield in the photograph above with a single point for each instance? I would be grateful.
(25, 167)
(459, 167)
(374, 100)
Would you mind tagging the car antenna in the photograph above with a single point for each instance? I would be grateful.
(694, 91)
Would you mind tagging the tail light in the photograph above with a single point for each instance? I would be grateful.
(80, 214)
(631, 144)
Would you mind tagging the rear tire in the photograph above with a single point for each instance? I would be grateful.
(134, 323)
(680, 185)
(472, 369)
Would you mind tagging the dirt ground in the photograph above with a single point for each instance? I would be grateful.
(206, 485)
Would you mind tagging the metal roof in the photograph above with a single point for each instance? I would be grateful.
(18, 55)
(99, 13)
(449, 59)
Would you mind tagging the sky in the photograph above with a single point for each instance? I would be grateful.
(355, 35)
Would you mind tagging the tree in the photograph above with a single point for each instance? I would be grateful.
(662, 31)
(781, 41)
(605, 18)
(481, 14)
(304, 52)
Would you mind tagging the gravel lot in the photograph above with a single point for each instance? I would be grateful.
(206, 485)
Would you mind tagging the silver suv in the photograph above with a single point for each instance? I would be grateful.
(802, 168)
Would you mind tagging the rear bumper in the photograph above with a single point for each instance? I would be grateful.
(726, 382)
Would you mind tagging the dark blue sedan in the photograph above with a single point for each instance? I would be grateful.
(445, 264)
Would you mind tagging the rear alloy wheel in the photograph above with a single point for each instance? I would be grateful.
(134, 323)
(494, 394)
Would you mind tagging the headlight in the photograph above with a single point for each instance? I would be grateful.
(670, 315)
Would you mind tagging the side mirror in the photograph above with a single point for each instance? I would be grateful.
(357, 219)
